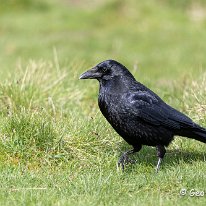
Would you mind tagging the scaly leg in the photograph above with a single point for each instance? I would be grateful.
(160, 154)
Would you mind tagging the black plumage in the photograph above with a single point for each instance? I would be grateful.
(136, 113)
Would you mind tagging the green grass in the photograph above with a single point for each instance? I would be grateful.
(55, 146)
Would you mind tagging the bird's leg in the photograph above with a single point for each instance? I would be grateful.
(124, 159)
(160, 154)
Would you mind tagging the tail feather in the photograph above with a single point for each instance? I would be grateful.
(197, 133)
(200, 136)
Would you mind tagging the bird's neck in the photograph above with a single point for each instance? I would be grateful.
(116, 85)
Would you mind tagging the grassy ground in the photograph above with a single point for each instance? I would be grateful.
(55, 146)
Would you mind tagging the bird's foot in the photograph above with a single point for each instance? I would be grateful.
(124, 160)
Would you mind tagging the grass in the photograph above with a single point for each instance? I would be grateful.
(55, 146)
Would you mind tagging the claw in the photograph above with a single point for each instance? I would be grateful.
(124, 160)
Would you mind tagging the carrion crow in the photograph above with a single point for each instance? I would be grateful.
(137, 114)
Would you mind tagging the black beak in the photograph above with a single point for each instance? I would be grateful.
(91, 74)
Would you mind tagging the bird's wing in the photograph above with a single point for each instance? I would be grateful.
(151, 109)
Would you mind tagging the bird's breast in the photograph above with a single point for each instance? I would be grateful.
(113, 109)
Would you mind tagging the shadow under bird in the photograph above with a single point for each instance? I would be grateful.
(137, 114)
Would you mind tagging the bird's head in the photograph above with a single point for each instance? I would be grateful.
(106, 70)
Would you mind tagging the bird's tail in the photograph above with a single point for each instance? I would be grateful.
(197, 133)
(200, 135)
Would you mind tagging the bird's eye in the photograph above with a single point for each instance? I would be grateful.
(104, 69)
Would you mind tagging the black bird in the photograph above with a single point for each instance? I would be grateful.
(137, 114)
